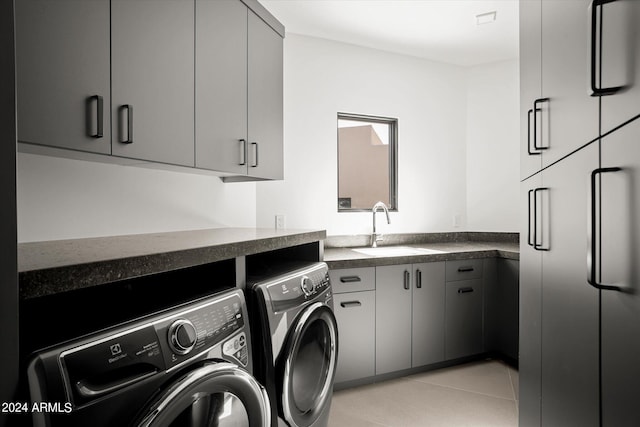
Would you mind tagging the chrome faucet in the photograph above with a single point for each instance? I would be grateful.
(375, 237)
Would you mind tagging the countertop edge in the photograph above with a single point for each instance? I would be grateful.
(52, 278)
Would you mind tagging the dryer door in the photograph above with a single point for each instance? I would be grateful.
(216, 394)
(308, 366)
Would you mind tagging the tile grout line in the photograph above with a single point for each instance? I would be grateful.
(465, 390)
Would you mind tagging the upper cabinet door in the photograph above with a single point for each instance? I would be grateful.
(571, 114)
(530, 84)
(265, 135)
(619, 60)
(221, 86)
(152, 64)
(62, 50)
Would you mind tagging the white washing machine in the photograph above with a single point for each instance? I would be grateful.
(295, 343)
(190, 365)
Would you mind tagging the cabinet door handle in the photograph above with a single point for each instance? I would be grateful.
(99, 101)
(255, 155)
(465, 269)
(349, 304)
(529, 242)
(243, 152)
(591, 256)
(350, 279)
(465, 290)
(531, 153)
(535, 110)
(418, 278)
(536, 246)
(595, 41)
(407, 280)
(128, 108)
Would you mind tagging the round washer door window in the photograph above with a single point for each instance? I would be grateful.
(308, 370)
(215, 394)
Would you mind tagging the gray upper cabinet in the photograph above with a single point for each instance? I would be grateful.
(152, 63)
(221, 86)
(63, 87)
(265, 131)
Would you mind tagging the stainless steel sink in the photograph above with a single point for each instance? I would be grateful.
(391, 251)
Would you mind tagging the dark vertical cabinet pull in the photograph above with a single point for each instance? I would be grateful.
(536, 110)
(243, 152)
(532, 238)
(536, 149)
(596, 27)
(407, 280)
(126, 132)
(418, 279)
(99, 117)
(591, 259)
(255, 156)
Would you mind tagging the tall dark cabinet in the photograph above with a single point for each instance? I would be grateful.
(8, 235)
(580, 279)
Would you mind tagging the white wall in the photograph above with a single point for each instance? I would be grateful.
(64, 199)
(323, 78)
(493, 147)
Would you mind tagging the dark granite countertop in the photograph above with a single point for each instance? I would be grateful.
(51, 267)
(437, 246)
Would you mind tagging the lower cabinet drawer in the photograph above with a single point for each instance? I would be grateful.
(463, 319)
(355, 313)
(353, 279)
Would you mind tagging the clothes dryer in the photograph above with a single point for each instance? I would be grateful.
(296, 343)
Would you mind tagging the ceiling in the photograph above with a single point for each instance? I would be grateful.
(439, 30)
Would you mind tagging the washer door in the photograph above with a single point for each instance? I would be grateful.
(216, 394)
(308, 366)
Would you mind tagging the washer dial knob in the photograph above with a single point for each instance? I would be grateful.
(182, 336)
(307, 285)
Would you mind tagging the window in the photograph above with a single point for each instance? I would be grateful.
(367, 164)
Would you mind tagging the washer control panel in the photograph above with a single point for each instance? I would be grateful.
(195, 331)
(291, 290)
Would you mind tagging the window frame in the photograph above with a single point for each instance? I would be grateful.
(393, 157)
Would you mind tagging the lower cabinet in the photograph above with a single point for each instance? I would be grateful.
(397, 317)
(356, 316)
(354, 305)
(409, 316)
(464, 309)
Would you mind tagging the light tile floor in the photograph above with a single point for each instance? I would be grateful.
(483, 393)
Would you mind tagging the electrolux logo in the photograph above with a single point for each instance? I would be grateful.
(116, 352)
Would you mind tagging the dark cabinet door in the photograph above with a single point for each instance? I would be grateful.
(530, 83)
(63, 87)
(152, 64)
(571, 113)
(463, 318)
(530, 308)
(393, 318)
(221, 86)
(570, 315)
(265, 134)
(427, 326)
(619, 236)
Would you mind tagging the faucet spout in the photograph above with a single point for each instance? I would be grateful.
(375, 236)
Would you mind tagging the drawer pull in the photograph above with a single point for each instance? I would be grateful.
(465, 269)
(465, 290)
(348, 304)
(350, 279)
